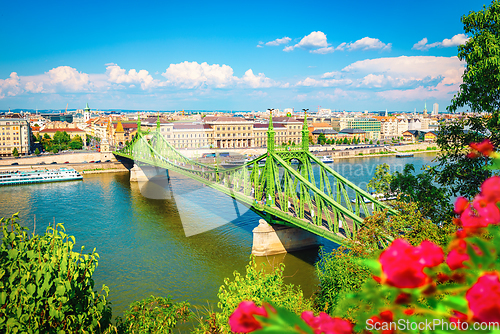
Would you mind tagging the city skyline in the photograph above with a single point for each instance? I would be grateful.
(228, 56)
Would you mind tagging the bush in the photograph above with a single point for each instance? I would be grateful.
(15, 152)
(45, 286)
(37, 151)
(153, 315)
(339, 273)
(258, 286)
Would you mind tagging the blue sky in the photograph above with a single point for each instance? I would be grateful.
(227, 55)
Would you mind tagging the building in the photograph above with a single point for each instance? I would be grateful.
(353, 133)
(329, 134)
(72, 132)
(370, 125)
(412, 135)
(260, 134)
(192, 135)
(435, 109)
(15, 133)
(430, 136)
(230, 132)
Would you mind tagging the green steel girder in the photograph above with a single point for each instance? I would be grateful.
(276, 181)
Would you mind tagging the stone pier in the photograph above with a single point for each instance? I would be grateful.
(146, 173)
(278, 239)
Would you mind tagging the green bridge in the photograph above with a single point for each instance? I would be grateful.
(327, 205)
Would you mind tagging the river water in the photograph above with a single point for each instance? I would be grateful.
(181, 243)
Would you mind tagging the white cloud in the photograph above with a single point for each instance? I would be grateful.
(10, 86)
(323, 51)
(432, 77)
(68, 79)
(367, 43)
(193, 75)
(315, 40)
(456, 40)
(118, 75)
(310, 82)
(279, 41)
(256, 81)
(411, 68)
(332, 74)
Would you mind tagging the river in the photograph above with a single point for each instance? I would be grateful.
(182, 245)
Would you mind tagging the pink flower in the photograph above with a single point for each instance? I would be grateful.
(461, 204)
(458, 255)
(243, 321)
(471, 219)
(487, 210)
(403, 264)
(326, 324)
(485, 147)
(385, 317)
(491, 189)
(484, 298)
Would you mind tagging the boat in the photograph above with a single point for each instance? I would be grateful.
(326, 159)
(39, 176)
(404, 155)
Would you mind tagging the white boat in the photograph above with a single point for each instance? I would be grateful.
(404, 155)
(326, 159)
(39, 176)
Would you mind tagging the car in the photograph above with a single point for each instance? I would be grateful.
(91, 162)
(107, 161)
(53, 163)
(14, 164)
(41, 163)
(84, 162)
(66, 162)
(98, 162)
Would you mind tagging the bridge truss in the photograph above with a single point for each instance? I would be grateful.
(280, 185)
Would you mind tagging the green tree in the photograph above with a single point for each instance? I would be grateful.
(434, 201)
(480, 93)
(381, 182)
(321, 139)
(328, 141)
(61, 138)
(55, 150)
(46, 287)
(15, 152)
(37, 151)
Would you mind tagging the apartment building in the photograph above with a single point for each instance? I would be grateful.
(230, 132)
(191, 135)
(15, 133)
(370, 125)
(260, 134)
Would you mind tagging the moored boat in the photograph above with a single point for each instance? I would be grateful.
(39, 176)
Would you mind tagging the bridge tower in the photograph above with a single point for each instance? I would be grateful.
(305, 134)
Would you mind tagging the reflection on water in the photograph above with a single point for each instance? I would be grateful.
(182, 245)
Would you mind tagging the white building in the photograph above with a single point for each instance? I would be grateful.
(435, 109)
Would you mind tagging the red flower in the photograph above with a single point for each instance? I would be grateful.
(484, 298)
(458, 255)
(243, 321)
(471, 219)
(403, 264)
(458, 317)
(461, 204)
(487, 210)
(409, 311)
(386, 317)
(491, 189)
(485, 147)
(326, 324)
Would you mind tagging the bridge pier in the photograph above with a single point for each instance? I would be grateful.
(146, 173)
(278, 239)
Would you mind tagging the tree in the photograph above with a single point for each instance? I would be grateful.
(481, 94)
(328, 141)
(15, 152)
(433, 201)
(321, 139)
(381, 182)
(37, 151)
